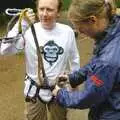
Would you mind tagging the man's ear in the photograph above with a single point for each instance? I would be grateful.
(58, 15)
(37, 16)
(92, 19)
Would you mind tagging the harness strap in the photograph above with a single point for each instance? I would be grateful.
(33, 83)
(40, 61)
(21, 16)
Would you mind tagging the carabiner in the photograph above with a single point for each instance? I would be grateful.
(13, 11)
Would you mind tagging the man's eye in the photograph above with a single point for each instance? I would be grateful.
(41, 9)
(49, 9)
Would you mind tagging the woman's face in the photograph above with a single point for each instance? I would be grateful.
(92, 26)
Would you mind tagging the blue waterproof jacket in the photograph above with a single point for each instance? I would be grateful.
(101, 77)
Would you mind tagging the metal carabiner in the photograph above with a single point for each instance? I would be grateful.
(13, 11)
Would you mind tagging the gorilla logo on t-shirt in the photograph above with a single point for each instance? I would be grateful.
(51, 52)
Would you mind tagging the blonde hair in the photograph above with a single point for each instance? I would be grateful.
(115, 10)
(81, 10)
(113, 5)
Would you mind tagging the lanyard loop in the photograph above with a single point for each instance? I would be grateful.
(13, 11)
(21, 13)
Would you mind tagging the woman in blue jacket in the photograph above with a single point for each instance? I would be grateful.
(101, 75)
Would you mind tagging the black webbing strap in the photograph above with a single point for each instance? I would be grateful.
(40, 61)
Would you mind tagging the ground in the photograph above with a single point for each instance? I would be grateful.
(12, 71)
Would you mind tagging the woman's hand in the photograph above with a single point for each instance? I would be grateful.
(62, 80)
(55, 90)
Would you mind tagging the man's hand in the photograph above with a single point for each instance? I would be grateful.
(30, 15)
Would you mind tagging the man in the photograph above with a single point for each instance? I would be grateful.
(59, 49)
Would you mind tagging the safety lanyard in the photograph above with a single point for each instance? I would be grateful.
(40, 60)
(17, 13)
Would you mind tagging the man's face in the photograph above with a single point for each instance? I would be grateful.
(47, 12)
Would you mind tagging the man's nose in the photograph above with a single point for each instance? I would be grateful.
(45, 12)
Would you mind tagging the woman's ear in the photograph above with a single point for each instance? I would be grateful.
(92, 19)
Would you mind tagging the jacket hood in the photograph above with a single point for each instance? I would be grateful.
(107, 35)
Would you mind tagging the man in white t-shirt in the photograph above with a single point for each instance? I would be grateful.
(58, 51)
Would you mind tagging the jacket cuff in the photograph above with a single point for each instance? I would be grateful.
(76, 79)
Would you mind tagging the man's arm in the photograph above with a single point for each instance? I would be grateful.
(74, 53)
(15, 42)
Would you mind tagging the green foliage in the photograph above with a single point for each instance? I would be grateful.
(66, 4)
(118, 3)
(3, 23)
(4, 19)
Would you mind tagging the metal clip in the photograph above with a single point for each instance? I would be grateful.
(13, 11)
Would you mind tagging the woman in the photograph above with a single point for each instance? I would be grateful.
(101, 75)
(58, 50)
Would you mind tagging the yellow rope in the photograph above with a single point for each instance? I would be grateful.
(49, 116)
(21, 17)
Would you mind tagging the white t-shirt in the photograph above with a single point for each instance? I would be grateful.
(59, 50)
